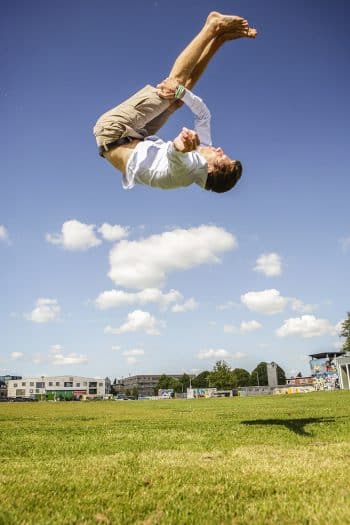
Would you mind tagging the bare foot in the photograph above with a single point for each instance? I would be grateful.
(220, 23)
(239, 33)
(251, 33)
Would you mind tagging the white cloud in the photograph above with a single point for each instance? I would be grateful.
(213, 354)
(132, 355)
(238, 355)
(345, 243)
(46, 310)
(271, 302)
(227, 306)
(4, 236)
(113, 233)
(56, 349)
(70, 359)
(339, 326)
(134, 352)
(116, 348)
(250, 326)
(338, 345)
(75, 236)
(138, 320)
(219, 354)
(16, 356)
(270, 264)
(37, 359)
(305, 326)
(146, 263)
(115, 298)
(266, 302)
(299, 306)
(229, 328)
(187, 306)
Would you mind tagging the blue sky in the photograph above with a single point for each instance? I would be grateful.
(96, 280)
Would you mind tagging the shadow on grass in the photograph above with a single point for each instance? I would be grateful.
(295, 425)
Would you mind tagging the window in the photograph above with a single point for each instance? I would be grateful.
(31, 383)
(58, 383)
(50, 383)
(31, 391)
(77, 384)
(20, 392)
(100, 384)
(93, 384)
(40, 384)
(15, 385)
(23, 384)
(68, 384)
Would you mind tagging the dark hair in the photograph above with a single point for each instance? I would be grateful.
(224, 178)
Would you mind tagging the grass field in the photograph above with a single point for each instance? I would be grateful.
(264, 460)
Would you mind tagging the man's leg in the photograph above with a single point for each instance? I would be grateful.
(215, 26)
(212, 48)
(192, 62)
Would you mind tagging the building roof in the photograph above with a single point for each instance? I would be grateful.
(326, 354)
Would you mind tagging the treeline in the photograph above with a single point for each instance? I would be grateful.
(222, 377)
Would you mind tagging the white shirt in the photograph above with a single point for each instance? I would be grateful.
(158, 164)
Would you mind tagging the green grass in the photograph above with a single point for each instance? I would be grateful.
(264, 460)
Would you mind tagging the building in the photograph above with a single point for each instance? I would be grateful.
(143, 385)
(3, 384)
(58, 387)
(3, 390)
(272, 379)
(324, 370)
(343, 368)
(300, 381)
(5, 379)
(255, 390)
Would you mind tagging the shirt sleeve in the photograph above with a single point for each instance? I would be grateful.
(186, 168)
(201, 116)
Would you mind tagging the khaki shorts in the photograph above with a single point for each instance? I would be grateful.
(141, 115)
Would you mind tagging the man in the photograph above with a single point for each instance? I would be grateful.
(125, 134)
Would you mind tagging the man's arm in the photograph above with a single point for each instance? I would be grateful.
(170, 87)
(186, 141)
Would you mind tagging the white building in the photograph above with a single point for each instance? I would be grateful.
(58, 387)
(343, 367)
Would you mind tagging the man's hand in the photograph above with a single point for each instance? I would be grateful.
(167, 88)
(186, 141)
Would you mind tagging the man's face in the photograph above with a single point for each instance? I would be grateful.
(216, 156)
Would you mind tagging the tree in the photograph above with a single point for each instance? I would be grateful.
(166, 383)
(184, 382)
(345, 332)
(135, 392)
(259, 375)
(202, 380)
(114, 387)
(221, 377)
(163, 383)
(281, 376)
(241, 376)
